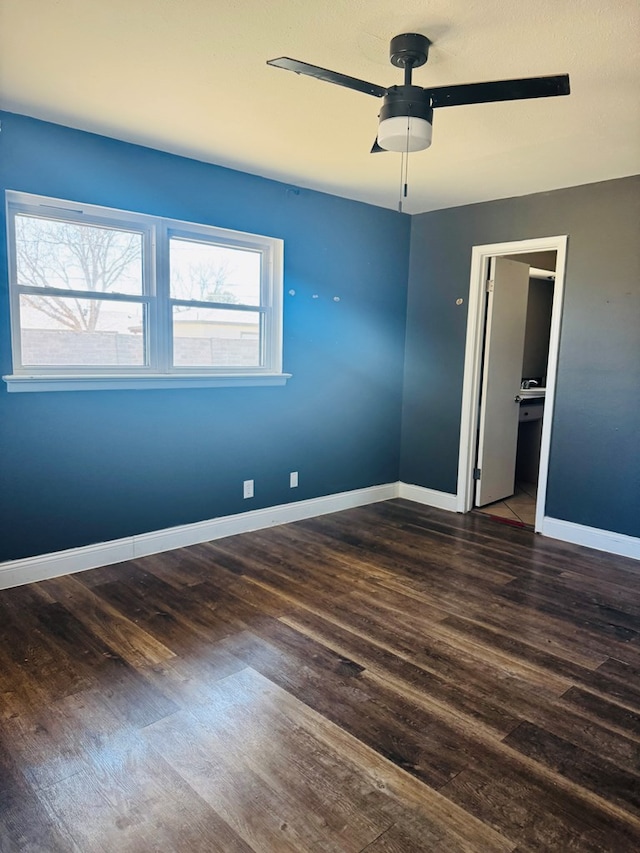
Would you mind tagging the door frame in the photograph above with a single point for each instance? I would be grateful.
(480, 259)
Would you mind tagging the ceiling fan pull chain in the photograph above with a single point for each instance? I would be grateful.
(402, 155)
(406, 162)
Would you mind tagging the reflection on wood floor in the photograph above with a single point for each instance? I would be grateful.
(388, 679)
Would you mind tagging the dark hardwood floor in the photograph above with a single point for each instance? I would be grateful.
(389, 679)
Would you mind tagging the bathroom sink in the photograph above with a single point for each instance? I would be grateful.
(530, 393)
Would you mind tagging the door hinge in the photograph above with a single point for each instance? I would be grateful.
(476, 473)
(489, 285)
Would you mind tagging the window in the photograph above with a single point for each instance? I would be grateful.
(105, 298)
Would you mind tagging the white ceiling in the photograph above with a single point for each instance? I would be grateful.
(189, 76)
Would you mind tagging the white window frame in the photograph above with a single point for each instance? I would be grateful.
(158, 372)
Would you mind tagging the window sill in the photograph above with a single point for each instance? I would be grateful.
(119, 382)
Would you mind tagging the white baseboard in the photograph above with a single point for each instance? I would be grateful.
(258, 519)
(30, 569)
(592, 537)
(430, 497)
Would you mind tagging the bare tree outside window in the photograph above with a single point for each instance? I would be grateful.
(102, 291)
(203, 281)
(205, 272)
(97, 260)
(85, 258)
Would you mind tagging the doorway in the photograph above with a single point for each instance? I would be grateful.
(508, 393)
(518, 310)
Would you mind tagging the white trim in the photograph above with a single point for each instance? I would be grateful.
(44, 566)
(19, 383)
(30, 569)
(592, 537)
(156, 234)
(480, 256)
(429, 497)
(552, 370)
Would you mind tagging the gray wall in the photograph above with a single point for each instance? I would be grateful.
(594, 475)
(538, 328)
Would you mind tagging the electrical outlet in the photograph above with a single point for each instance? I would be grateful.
(247, 491)
(293, 480)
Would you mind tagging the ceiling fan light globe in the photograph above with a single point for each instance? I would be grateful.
(392, 134)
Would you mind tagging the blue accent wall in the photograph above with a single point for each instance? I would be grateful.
(84, 467)
(594, 465)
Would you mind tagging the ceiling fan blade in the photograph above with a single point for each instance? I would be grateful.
(328, 76)
(376, 149)
(499, 90)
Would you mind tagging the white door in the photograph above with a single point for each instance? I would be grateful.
(501, 378)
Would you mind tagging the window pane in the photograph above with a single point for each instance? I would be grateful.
(211, 273)
(81, 332)
(51, 253)
(213, 337)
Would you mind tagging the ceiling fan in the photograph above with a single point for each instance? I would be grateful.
(406, 116)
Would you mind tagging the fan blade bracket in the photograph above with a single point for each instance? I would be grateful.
(328, 76)
(499, 90)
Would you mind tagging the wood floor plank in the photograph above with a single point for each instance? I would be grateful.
(258, 814)
(391, 679)
(460, 698)
(468, 727)
(293, 750)
(546, 557)
(188, 680)
(25, 824)
(538, 629)
(282, 575)
(527, 650)
(590, 771)
(50, 744)
(335, 691)
(44, 672)
(408, 551)
(107, 789)
(585, 612)
(157, 607)
(461, 598)
(208, 567)
(127, 690)
(497, 710)
(606, 711)
(395, 620)
(626, 597)
(122, 635)
(244, 725)
(538, 816)
(135, 814)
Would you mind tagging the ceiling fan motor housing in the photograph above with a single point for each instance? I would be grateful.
(406, 118)
(409, 50)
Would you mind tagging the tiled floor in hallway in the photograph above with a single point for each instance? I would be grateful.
(520, 507)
